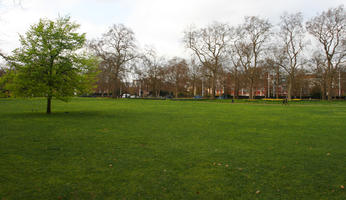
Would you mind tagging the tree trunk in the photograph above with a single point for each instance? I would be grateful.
(194, 88)
(277, 82)
(213, 87)
(236, 85)
(202, 88)
(114, 89)
(323, 90)
(49, 102)
(289, 91)
(329, 80)
(330, 83)
(251, 89)
(236, 95)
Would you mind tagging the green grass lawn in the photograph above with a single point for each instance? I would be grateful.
(145, 149)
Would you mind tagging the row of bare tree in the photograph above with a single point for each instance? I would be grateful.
(246, 56)
(254, 44)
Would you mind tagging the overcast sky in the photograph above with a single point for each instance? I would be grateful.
(159, 23)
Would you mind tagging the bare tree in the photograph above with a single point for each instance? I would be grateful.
(104, 82)
(153, 70)
(301, 86)
(249, 46)
(292, 42)
(272, 65)
(195, 74)
(235, 72)
(209, 45)
(116, 48)
(319, 68)
(177, 74)
(329, 28)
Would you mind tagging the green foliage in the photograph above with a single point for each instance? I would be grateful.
(142, 149)
(5, 80)
(49, 63)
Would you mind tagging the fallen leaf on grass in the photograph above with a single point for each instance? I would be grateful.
(226, 165)
(219, 164)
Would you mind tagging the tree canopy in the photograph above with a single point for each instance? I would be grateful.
(49, 62)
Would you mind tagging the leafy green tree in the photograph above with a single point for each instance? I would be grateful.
(49, 62)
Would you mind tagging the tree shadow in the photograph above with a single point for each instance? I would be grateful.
(57, 114)
(81, 114)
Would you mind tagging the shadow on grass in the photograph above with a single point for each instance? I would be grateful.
(89, 114)
(58, 114)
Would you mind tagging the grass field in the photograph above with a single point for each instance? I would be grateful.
(145, 149)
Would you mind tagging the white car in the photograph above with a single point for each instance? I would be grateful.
(125, 96)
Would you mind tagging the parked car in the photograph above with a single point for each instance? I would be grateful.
(169, 97)
(125, 96)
